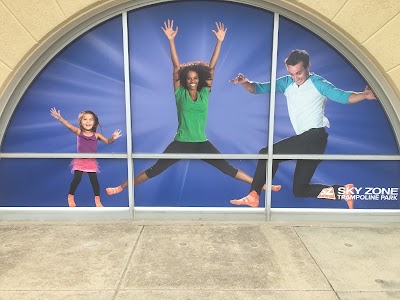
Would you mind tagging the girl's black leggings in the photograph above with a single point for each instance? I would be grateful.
(77, 179)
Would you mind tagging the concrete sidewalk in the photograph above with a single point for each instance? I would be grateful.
(198, 260)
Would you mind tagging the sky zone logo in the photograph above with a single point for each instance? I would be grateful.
(368, 193)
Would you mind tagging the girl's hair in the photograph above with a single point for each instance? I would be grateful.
(89, 112)
(201, 68)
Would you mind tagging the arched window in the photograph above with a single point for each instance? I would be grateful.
(121, 70)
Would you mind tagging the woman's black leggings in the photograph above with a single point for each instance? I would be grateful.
(312, 141)
(77, 179)
(187, 147)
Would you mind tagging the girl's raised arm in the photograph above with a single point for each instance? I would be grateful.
(57, 115)
(220, 35)
(115, 135)
(170, 33)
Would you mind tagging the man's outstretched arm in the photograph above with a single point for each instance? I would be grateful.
(242, 80)
(367, 94)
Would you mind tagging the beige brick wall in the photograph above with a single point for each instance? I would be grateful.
(373, 24)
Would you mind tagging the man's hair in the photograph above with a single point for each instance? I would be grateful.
(296, 56)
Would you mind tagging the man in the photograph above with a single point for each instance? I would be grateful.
(306, 95)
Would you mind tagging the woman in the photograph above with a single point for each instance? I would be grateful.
(192, 85)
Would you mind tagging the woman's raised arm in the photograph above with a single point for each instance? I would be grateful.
(170, 33)
(220, 35)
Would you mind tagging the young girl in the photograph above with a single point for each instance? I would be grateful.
(86, 143)
(192, 85)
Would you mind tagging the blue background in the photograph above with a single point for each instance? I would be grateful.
(88, 74)
(237, 122)
(361, 128)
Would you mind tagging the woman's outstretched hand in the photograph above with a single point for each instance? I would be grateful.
(168, 29)
(220, 34)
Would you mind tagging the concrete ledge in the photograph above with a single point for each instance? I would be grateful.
(64, 214)
(219, 214)
(335, 215)
(199, 214)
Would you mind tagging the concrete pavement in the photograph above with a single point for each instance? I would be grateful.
(199, 260)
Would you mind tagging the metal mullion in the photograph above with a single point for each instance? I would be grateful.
(354, 157)
(128, 116)
(274, 64)
(61, 155)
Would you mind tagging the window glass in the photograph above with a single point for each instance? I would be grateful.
(376, 185)
(236, 121)
(361, 128)
(86, 75)
(45, 183)
(191, 183)
(89, 75)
